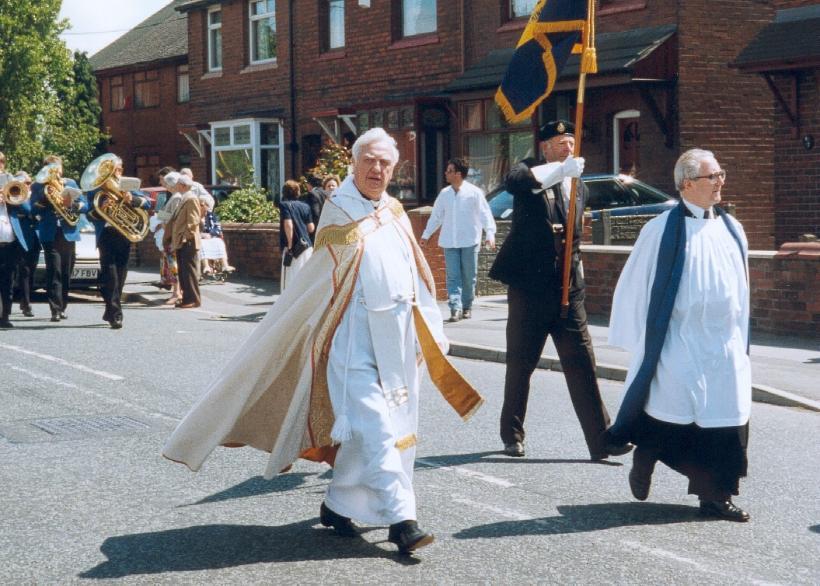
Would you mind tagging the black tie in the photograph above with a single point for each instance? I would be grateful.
(707, 215)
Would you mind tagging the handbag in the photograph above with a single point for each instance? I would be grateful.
(299, 246)
(287, 260)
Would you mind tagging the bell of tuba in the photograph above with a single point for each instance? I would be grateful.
(16, 192)
(109, 203)
(53, 187)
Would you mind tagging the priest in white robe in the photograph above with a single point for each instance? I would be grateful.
(332, 372)
(681, 308)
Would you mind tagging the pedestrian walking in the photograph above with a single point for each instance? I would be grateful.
(331, 374)
(530, 262)
(462, 212)
(681, 308)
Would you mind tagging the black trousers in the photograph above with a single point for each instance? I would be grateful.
(712, 458)
(10, 253)
(59, 256)
(114, 252)
(188, 272)
(25, 272)
(532, 317)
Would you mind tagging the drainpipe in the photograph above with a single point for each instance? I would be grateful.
(294, 144)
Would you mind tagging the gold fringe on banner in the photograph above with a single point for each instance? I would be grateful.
(589, 61)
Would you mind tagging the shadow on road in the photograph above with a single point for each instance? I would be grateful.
(498, 458)
(256, 486)
(815, 528)
(211, 547)
(583, 518)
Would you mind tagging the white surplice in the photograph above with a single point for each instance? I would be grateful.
(375, 386)
(704, 374)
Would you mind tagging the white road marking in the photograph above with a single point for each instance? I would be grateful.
(62, 362)
(97, 396)
(469, 473)
(509, 514)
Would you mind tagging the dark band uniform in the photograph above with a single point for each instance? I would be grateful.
(114, 252)
(530, 263)
(19, 217)
(59, 242)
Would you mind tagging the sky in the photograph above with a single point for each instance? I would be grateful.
(96, 23)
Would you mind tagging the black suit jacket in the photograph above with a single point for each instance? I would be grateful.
(529, 258)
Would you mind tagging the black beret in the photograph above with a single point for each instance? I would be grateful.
(555, 128)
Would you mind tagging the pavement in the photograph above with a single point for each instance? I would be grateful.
(785, 369)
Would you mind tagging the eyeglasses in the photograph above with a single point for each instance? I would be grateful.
(714, 176)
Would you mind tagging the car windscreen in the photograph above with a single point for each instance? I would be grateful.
(645, 195)
(501, 204)
(606, 194)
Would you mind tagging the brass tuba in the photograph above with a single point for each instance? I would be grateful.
(109, 203)
(16, 192)
(53, 188)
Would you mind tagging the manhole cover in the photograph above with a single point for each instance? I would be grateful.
(71, 428)
(92, 425)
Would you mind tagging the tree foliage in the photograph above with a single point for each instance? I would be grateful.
(334, 159)
(249, 205)
(48, 98)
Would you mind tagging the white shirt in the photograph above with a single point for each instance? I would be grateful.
(6, 230)
(704, 374)
(461, 215)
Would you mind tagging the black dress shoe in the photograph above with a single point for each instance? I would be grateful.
(28, 313)
(116, 324)
(408, 536)
(63, 315)
(726, 510)
(5, 324)
(55, 316)
(342, 525)
(514, 450)
(611, 449)
(640, 477)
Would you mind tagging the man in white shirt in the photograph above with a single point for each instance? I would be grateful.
(199, 190)
(461, 211)
(681, 308)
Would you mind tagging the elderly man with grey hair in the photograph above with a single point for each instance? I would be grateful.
(332, 372)
(681, 308)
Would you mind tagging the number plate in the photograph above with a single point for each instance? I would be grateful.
(84, 273)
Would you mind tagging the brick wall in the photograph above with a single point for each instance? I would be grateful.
(717, 103)
(145, 131)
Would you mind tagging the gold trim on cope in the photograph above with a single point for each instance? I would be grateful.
(407, 441)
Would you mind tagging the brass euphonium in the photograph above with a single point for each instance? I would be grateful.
(53, 188)
(16, 192)
(109, 203)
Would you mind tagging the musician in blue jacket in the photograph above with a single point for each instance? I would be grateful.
(57, 236)
(114, 248)
(15, 232)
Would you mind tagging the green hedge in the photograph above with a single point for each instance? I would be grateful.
(249, 205)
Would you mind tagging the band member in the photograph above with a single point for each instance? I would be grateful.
(28, 261)
(114, 247)
(57, 234)
(14, 230)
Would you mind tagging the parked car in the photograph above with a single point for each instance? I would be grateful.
(87, 261)
(621, 195)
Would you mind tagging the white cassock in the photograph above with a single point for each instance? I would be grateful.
(703, 374)
(375, 387)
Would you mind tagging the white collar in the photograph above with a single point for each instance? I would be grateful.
(696, 210)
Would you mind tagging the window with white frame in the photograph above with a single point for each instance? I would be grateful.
(183, 84)
(263, 30)
(418, 17)
(335, 24)
(215, 38)
(248, 152)
(522, 8)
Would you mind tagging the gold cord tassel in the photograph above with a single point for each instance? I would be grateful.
(589, 61)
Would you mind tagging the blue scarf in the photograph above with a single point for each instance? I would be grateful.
(671, 255)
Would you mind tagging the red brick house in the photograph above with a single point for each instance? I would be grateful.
(672, 76)
(142, 79)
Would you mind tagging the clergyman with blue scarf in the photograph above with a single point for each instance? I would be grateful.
(681, 308)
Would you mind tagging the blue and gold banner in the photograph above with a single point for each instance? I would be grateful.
(556, 29)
